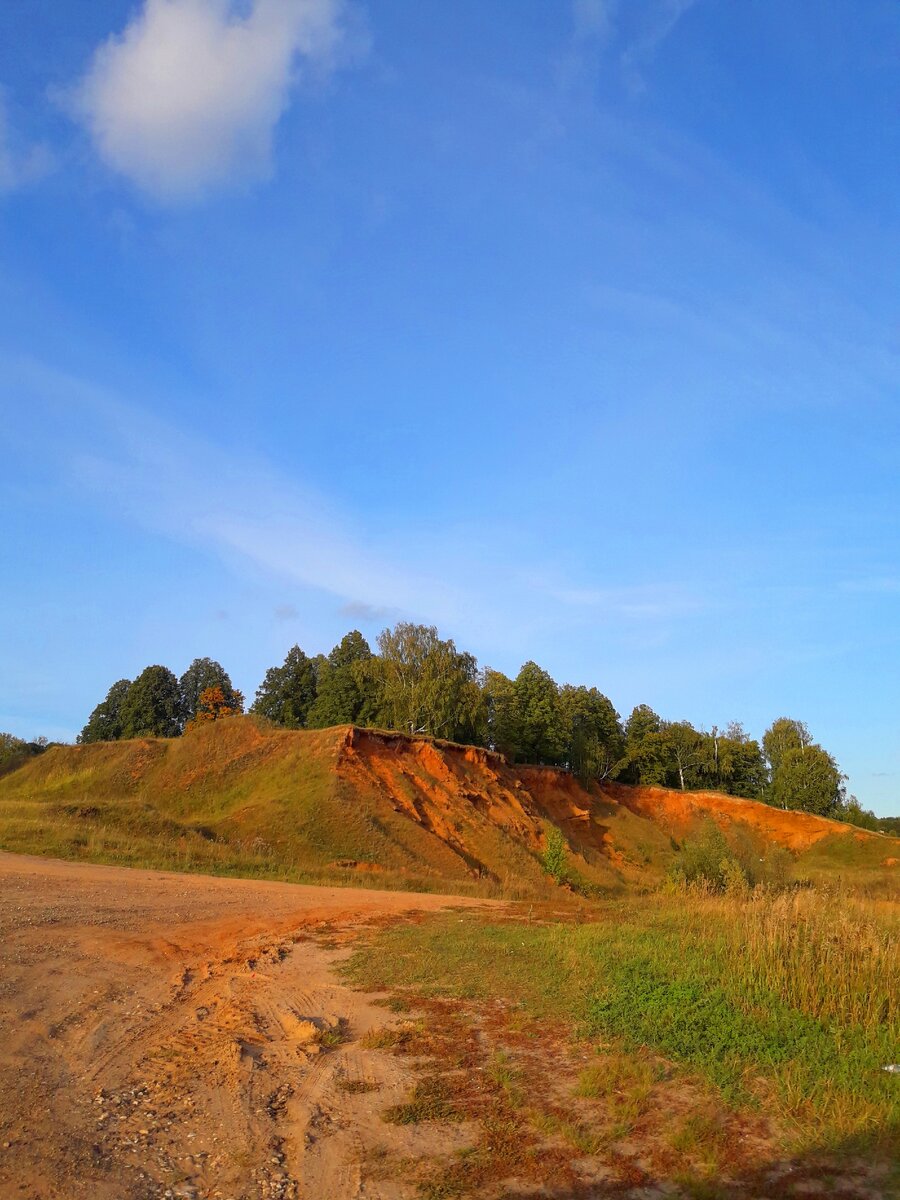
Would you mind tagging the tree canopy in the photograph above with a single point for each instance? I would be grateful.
(152, 705)
(347, 689)
(425, 685)
(286, 694)
(204, 673)
(419, 682)
(105, 722)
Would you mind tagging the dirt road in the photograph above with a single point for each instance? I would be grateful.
(169, 1035)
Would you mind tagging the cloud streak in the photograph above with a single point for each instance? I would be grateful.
(187, 97)
(263, 525)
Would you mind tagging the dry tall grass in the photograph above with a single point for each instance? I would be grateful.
(824, 951)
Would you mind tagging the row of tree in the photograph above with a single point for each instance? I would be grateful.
(418, 682)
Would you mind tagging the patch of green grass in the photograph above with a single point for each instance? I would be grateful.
(507, 1077)
(331, 1037)
(581, 1137)
(669, 976)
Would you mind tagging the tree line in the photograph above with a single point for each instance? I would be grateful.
(420, 683)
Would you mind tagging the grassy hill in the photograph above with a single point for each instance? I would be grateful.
(349, 805)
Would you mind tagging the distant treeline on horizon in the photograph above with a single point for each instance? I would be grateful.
(420, 683)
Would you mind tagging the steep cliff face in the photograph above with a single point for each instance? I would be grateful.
(345, 803)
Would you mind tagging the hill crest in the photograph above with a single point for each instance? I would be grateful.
(239, 797)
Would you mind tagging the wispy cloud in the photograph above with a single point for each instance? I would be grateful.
(20, 165)
(631, 33)
(169, 481)
(658, 21)
(261, 524)
(356, 610)
(188, 95)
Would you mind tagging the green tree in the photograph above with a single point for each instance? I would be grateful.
(853, 813)
(783, 735)
(642, 721)
(287, 693)
(206, 673)
(596, 742)
(426, 685)
(739, 767)
(15, 750)
(346, 689)
(539, 721)
(644, 760)
(688, 753)
(105, 722)
(808, 779)
(498, 693)
(152, 705)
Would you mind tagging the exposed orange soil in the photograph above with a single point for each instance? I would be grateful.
(466, 796)
(448, 789)
(677, 812)
(165, 1035)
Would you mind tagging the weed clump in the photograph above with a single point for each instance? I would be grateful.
(709, 865)
(555, 854)
(431, 1101)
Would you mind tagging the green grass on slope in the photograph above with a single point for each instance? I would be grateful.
(708, 984)
(239, 800)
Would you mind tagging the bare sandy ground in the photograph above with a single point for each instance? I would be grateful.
(169, 1035)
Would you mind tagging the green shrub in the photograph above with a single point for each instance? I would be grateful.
(555, 854)
(704, 859)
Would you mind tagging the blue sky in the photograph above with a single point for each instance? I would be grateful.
(571, 328)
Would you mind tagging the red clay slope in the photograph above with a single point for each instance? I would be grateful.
(678, 812)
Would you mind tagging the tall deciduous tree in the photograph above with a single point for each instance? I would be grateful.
(498, 693)
(643, 760)
(807, 778)
(783, 735)
(206, 673)
(596, 742)
(539, 720)
(287, 693)
(105, 722)
(689, 753)
(426, 684)
(152, 705)
(739, 766)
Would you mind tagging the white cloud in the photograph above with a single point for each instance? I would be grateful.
(189, 94)
(19, 166)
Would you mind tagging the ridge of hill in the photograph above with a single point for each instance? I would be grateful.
(354, 805)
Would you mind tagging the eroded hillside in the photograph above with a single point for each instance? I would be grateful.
(236, 797)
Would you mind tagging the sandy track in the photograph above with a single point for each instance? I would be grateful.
(171, 1035)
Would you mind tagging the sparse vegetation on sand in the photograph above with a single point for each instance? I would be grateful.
(785, 1004)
